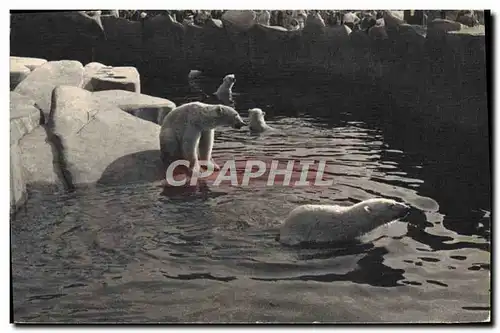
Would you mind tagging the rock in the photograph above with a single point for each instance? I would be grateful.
(351, 17)
(160, 47)
(18, 194)
(414, 34)
(378, 32)
(214, 23)
(443, 26)
(263, 17)
(146, 107)
(90, 70)
(56, 35)
(393, 19)
(98, 77)
(315, 21)
(124, 42)
(467, 18)
(100, 143)
(31, 63)
(24, 116)
(40, 83)
(21, 67)
(478, 30)
(39, 158)
(17, 74)
(338, 33)
(242, 19)
(277, 28)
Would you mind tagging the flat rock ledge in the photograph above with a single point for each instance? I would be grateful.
(87, 139)
(99, 77)
(99, 142)
(143, 106)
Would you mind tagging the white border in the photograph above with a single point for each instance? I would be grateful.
(256, 4)
(198, 4)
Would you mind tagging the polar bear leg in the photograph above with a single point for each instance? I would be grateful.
(190, 142)
(205, 148)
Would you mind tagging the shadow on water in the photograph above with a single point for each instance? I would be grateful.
(144, 166)
(108, 249)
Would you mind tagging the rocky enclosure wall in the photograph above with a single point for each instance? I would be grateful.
(73, 125)
(442, 72)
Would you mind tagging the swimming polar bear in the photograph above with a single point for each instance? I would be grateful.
(256, 121)
(332, 223)
(187, 132)
(225, 93)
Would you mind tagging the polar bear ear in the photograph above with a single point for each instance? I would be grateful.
(367, 209)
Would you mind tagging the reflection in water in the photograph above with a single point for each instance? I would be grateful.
(113, 253)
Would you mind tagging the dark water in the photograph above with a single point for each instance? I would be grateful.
(130, 254)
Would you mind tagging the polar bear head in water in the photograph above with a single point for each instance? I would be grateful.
(256, 121)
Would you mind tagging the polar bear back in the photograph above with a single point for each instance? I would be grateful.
(190, 113)
(196, 114)
(316, 223)
(199, 117)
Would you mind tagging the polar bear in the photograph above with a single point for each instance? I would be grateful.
(187, 132)
(256, 121)
(225, 93)
(332, 223)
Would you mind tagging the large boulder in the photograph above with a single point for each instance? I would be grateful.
(17, 74)
(314, 21)
(163, 47)
(98, 77)
(209, 46)
(24, 116)
(40, 83)
(378, 32)
(146, 107)
(393, 19)
(272, 46)
(467, 18)
(31, 63)
(99, 142)
(123, 45)
(25, 119)
(56, 36)
(18, 194)
(439, 27)
(39, 158)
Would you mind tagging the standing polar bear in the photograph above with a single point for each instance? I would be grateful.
(332, 223)
(225, 91)
(187, 132)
